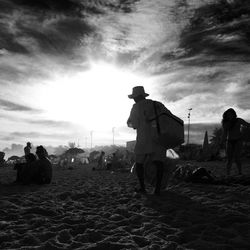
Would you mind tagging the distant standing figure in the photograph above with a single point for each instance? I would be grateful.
(145, 147)
(115, 161)
(27, 149)
(101, 161)
(232, 133)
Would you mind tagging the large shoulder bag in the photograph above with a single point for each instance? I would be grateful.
(168, 129)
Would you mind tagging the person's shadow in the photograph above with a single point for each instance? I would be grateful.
(194, 220)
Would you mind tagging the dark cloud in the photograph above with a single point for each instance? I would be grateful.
(8, 41)
(60, 38)
(57, 26)
(48, 26)
(207, 34)
(11, 106)
(62, 6)
(11, 72)
(33, 135)
(219, 30)
(7, 138)
(52, 34)
(50, 123)
(6, 6)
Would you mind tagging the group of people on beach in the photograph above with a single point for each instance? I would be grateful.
(146, 147)
(39, 169)
(36, 170)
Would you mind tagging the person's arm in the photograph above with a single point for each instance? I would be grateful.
(133, 120)
(244, 123)
(224, 135)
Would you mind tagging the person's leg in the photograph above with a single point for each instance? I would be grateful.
(159, 175)
(139, 167)
(18, 167)
(237, 154)
(140, 175)
(230, 154)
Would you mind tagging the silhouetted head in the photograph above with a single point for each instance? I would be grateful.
(30, 157)
(138, 94)
(41, 152)
(29, 144)
(229, 116)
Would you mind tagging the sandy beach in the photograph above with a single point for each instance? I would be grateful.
(85, 209)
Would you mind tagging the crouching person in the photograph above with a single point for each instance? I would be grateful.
(42, 167)
(23, 169)
(37, 171)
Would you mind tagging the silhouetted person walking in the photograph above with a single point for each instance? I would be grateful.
(232, 133)
(101, 161)
(27, 149)
(139, 119)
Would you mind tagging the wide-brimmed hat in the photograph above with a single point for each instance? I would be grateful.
(138, 91)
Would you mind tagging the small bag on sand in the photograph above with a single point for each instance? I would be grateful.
(168, 129)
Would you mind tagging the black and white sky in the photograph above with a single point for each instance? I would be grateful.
(67, 66)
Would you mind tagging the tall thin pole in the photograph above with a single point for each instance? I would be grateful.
(189, 115)
(113, 131)
(86, 142)
(91, 139)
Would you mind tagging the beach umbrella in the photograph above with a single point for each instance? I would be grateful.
(74, 151)
(52, 156)
(13, 158)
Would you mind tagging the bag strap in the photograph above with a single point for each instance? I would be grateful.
(157, 118)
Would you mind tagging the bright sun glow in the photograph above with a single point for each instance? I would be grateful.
(96, 99)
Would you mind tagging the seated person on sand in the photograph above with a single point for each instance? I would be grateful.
(21, 166)
(195, 175)
(44, 166)
(201, 175)
(38, 171)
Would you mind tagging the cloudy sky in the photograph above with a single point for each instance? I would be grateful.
(67, 66)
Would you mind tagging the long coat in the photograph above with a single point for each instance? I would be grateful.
(139, 117)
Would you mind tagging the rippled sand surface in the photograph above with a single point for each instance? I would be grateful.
(85, 209)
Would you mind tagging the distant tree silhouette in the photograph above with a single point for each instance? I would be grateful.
(72, 144)
(93, 156)
(216, 137)
(2, 154)
(60, 149)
